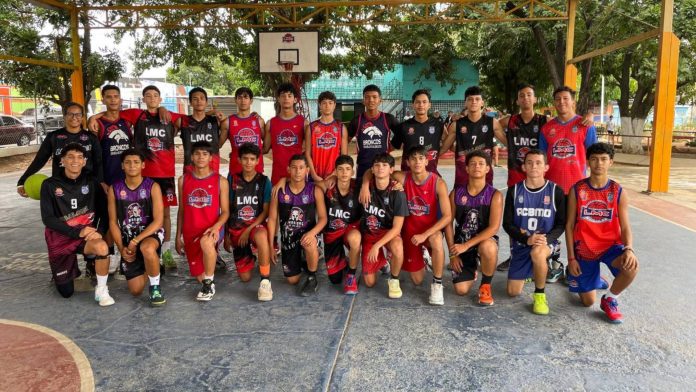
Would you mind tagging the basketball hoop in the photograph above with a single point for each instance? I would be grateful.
(286, 69)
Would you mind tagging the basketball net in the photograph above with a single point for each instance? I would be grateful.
(296, 80)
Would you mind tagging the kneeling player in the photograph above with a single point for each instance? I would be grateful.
(250, 197)
(478, 208)
(203, 211)
(69, 203)
(135, 220)
(300, 208)
(534, 218)
(598, 231)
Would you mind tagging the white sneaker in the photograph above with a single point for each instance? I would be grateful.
(114, 261)
(265, 290)
(207, 290)
(101, 295)
(436, 297)
(394, 288)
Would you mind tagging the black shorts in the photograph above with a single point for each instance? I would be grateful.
(470, 261)
(137, 267)
(294, 261)
(168, 188)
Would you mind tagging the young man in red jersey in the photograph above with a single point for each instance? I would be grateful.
(598, 231)
(284, 132)
(201, 127)
(244, 127)
(203, 212)
(326, 139)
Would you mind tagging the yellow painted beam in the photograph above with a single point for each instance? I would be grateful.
(28, 60)
(570, 74)
(77, 82)
(615, 46)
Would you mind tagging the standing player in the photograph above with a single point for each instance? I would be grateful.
(244, 127)
(326, 139)
(534, 218)
(250, 197)
(284, 133)
(473, 131)
(371, 129)
(420, 130)
(201, 127)
(478, 208)
(598, 231)
(115, 135)
(300, 208)
(70, 202)
(135, 223)
(203, 212)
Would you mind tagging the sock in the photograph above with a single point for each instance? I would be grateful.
(539, 290)
(265, 271)
(211, 277)
(166, 245)
(101, 280)
(486, 279)
(352, 271)
(612, 295)
(311, 273)
(154, 280)
(437, 280)
(395, 276)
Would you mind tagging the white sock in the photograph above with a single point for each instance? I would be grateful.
(166, 245)
(154, 280)
(211, 277)
(612, 295)
(101, 280)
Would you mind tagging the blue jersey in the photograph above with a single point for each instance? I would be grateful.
(534, 212)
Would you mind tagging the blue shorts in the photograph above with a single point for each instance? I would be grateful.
(521, 263)
(590, 278)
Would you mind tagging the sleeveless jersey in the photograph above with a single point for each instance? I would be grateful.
(133, 207)
(597, 224)
(423, 206)
(201, 198)
(534, 212)
(287, 138)
(521, 137)
(373, 135)
(114, 138)
(414, 133)
(156, 140)
(378, 215)
(342, 211)
(565, 151)
(206, 130)
(244, 130)
(472, 136)
(472, 213)
(326, 146)
(246, 199)
(297, 214)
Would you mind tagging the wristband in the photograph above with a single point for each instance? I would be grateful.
(625, 248)
(135, 240)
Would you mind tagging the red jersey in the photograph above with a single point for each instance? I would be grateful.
(244, 130)
(565, 145)
(155, 139)
(287, 137)
(201, 204)
(423, 205)
(597, 225)
(326, 146)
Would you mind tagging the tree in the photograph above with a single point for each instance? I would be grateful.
(221, 77)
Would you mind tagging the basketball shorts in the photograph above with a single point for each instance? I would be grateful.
(136, 267)
(62, 256)
(244, 258)
(168, 188)
(521, 263)
(194, 254)
(413, 254)
(334, 249)
(368, 241)
(590, 278)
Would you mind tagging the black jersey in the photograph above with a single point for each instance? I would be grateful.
(343, 210)
(471, 136)
(247, 199)
(192, 131)
(52, 146)
(427, 134)
(297, 214)
(378, 215)
(472, 212)
(521, 137)
(133, 208)
(156, 140)
(68, 206)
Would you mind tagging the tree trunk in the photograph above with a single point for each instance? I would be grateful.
(632, 132)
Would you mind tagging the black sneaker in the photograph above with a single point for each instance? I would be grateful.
(207, 290)
(156, 297)
(505, 265)
(163, 270)
(309, 286)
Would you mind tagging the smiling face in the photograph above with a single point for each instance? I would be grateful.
(417, 163)
(73, 118)
(564, 103)
(526, 98)
(249, 162)
(372, 100)
(73, 162)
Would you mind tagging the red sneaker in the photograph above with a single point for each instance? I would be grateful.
(350, 284)
(610, 306)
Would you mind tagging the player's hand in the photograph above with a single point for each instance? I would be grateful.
(93, 125)
(273, 254)
(316, 178)
(629, 261)
(308, 240)
(278, 186)
(456, 116)
(95, 235)
(536, 239)
(574, 267)
(373, 255)
(179, 247)
(396, 185)
(132, 246)
(21, 191)
(587, 121)
(220, 115)
(127, 254)
(330, 181)
(105, 188)
(364, 196)
(244, 238)
(458, 249)
(419, 239)
(164, 115)
(213, 232)
(87, 230)
(455, 264)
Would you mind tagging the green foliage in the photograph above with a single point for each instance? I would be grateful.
(216, 75)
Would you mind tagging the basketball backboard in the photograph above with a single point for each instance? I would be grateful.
(301, 48)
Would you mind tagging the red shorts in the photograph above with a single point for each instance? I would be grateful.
(194, 254)
(168, 187)
(244, 256)
(368, 241)
(334, 252)
(413, 254)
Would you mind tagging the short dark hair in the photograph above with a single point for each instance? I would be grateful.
(473, 90)
(523, 86)
(286, 88)
(132, 151)
(415, 150)
(73, 147)
(562, 89)
(198, 90)
(71, 104)
(480, 154)
(345, 160)
(299, 157)
(249, 149)
(244, 90)
(203, 146)
(372, 87)
(535, 151)
(418, 92)
(326, 95)
(108, 87)
(384, 157)
(151, 87)
(600, 148)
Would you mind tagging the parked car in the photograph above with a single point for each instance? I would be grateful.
(48, 118)
(14, 131)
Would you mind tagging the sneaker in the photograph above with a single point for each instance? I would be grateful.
(540, 304)
(207, 290)
(309, 286)
(427, 259)
(114, 262)
(436, 297)
(101, 295)
(265, 291)
(156, 297)
(505, 265)
(168, 260)
(394, 288)
(350, 285)
(386, 270)
(604, 283)
(485, 297)
(610, 306)
(554, 275)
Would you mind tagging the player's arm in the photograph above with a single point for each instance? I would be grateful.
(515, 232)
(445, 211)
(262, 125)
(494, 219)
(157, 214)
(272, 224)
(308, 153)
(353, 129)
(224, 132)
(267, 137)
(505, 121)
(397, 137)
(449, 140)
(344, 140)
(364, 195)
(559, 220)
(449, 229)
(571, 215)
(499, 131)
(179, 243)
(113, 220)
(590, 136)
(42, 156)
(629, 259)
(321, 217)
(397, 223)
(49, 217)
(543, 144)
(214, 230)
(93, 124)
